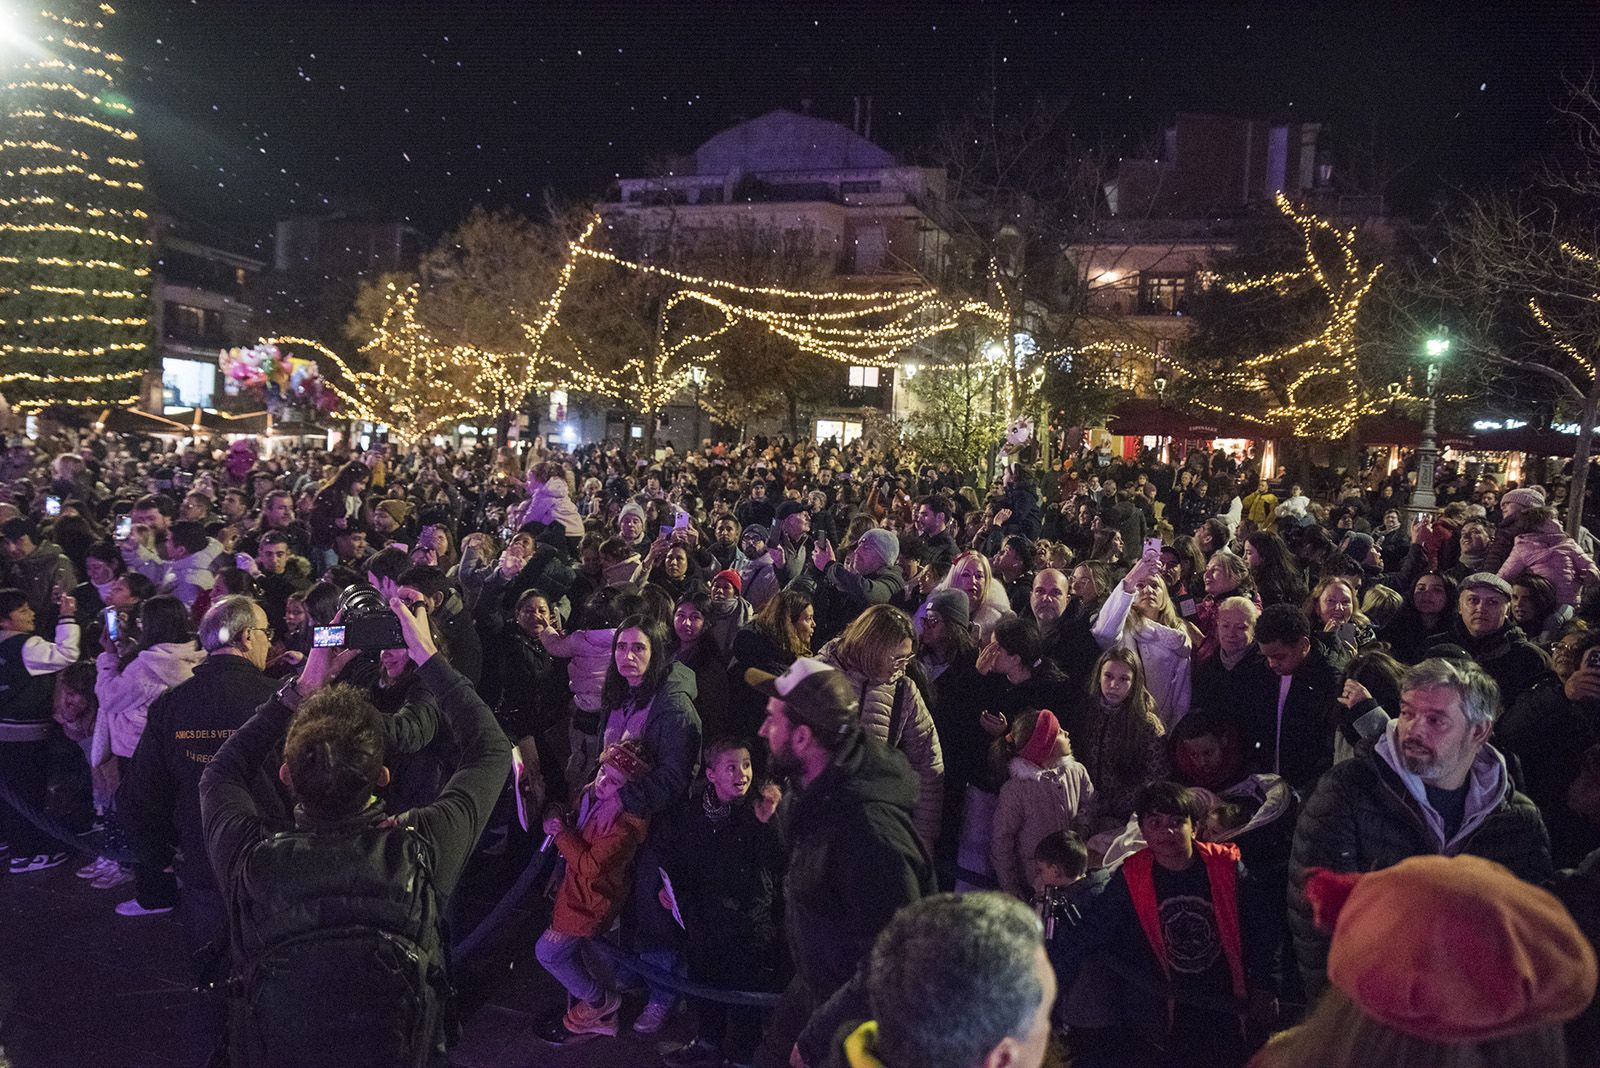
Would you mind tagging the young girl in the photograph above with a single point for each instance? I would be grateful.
(593, 891)
(1138, 615)
(1044, 794)
(1120, 740)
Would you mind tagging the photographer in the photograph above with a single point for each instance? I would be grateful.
(318, 909)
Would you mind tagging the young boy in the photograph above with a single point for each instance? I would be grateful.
(726, 861)
(592, 892)
(1172, 911)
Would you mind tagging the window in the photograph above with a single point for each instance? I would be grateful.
(863, 377)
(842, 430)
(1163, 294)
(187, 383)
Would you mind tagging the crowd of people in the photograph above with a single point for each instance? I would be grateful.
(765, 704)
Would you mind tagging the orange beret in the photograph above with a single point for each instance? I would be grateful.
(1453, 949)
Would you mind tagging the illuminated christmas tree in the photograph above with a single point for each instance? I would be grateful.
(74, 229)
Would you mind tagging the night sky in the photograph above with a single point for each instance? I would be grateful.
(257, 109)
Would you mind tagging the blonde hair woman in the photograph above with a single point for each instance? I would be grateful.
(874, 652)
(1139, 615)
(987, 603)
(1335, 602)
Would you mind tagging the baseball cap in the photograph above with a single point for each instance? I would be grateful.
(1489, 579)
(789, 508)
(813, 693)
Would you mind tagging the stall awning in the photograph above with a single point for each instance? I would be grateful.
(1142, 417)
(1398, 430)
(1529, 440)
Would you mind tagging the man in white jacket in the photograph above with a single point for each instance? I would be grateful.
(187, 570)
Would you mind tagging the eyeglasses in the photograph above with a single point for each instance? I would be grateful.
(268, 631)
(902, 661)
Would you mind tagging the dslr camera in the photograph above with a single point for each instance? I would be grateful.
(367, 624)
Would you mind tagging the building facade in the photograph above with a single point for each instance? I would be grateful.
(200, 305)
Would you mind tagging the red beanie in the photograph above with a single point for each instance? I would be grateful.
(733, 578)
(1042, 742)
(1453, 949)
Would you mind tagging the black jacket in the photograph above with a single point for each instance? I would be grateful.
(747, 707)
(840, 594)
(1514, 662)
(160, 795)
(277, 886)
(726, 877)
(1362, 818)
(1217, 688)
(466, 648)
(1549, 734)
(1301, 749)
(854, 860)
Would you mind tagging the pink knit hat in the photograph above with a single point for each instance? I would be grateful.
(1042, 742)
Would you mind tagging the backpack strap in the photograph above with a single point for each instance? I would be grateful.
(897, 721)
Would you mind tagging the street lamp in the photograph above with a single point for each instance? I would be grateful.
(1435, 351)
(697, 376)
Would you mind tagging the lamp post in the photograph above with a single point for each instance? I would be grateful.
(697, 377)
(1160, 381)
(1435, 351)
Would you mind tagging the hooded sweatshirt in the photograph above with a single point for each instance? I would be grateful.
(125, 693)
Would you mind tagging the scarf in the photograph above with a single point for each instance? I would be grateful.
(716, 812)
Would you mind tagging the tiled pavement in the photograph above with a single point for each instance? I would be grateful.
(81, 986)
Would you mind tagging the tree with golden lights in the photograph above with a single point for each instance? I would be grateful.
(1315, 382)
(74, 222)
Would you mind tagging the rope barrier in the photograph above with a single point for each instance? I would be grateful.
(537, 871)
(56, 830)
(678, 984)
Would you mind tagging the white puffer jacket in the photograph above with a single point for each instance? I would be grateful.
(125, 694)
(916, 738)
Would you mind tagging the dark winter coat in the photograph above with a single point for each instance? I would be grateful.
(160, 793)
(1548, 734)
(1364, 817)
(1514, 662)
(726, 878)
(671, 740)
(854, 860)
(840, 594)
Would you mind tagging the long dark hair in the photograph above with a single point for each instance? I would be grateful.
(616, 692)
(1277, 569)
(351, 473)
(163, 619)
(1124, 748)
(1020, 637)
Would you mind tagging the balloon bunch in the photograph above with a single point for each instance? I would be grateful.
(283, 379)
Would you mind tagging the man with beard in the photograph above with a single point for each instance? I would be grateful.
(1430, 784)
(854, 856)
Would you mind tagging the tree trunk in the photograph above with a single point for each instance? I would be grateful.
(1580, 460)
(794, 417)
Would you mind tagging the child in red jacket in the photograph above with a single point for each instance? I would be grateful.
(592, 892)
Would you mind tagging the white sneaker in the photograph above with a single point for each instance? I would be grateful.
(114, 876)
(37, 862)
(131, 907)
(99, 867)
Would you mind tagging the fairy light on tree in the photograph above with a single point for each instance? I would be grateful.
(74, 222)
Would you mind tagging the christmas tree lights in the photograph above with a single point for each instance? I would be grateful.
(75, 273)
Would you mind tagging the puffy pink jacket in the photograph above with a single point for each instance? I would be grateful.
(1553, 556)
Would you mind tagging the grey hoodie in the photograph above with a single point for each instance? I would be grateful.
(1488, 785)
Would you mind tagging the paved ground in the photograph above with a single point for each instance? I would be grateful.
(82, 986)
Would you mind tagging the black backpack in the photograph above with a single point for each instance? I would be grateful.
(353, 979)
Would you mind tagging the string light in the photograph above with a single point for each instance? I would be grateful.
(1319, 379)
(71, 191)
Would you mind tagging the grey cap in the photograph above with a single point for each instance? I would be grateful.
(1489, 579)
(953, 606)
(884, 543)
